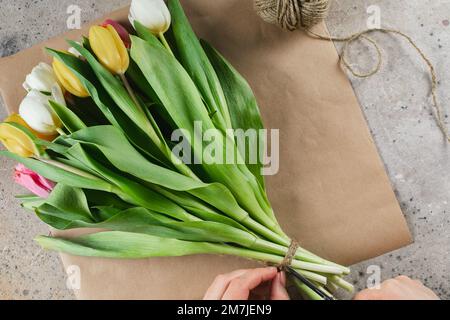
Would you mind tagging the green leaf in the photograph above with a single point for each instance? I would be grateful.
(126, 245)
(70, 120)
(242, 104)
(140, 220)
(71, 201)
(233, 216)
(114, 146)
(30, 202)
(196, 63)
(132, 191)
(171, 84)
(99, 198)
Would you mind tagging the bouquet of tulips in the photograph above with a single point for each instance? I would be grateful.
(95, 141)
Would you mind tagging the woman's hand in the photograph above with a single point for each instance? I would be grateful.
(245, 284)
(400, 288)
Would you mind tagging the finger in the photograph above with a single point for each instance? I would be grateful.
(261, 292)
(220, 284)
(279, 291)
(239, 288)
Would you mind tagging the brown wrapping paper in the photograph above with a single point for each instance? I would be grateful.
(332, 193)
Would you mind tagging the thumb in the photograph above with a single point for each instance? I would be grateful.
(278, 291)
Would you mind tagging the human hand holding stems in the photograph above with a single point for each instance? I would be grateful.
(268, 283)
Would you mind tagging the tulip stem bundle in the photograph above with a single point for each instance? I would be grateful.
(115, 169)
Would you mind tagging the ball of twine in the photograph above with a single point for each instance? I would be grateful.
(292, 14)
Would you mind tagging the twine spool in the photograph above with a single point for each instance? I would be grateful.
(292, 14)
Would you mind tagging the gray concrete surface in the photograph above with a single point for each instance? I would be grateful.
(396, 104)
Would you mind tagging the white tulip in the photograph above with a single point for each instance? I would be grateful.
(153, 14)
(41, 78)
(37, 113)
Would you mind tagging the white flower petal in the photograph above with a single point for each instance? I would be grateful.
(36, 112)
(41, 78)
(153, 14)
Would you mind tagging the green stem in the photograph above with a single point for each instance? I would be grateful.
(305, 291)
(270, 258)
(273, 248)
(165, 43)
(68, 168)
(305, 253)
(60, 131)
(265, 232)
(341, 283)
(130, 90)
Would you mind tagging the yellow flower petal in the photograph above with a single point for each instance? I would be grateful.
(69, 80)
(17, 141)
(109, 48)
(122, 50)
(16, 118)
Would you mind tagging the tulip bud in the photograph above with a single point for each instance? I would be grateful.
(109, 49)
(34, 182)
(123, 33)
(41, 78)
(18, 141)
(16, 118)
(38, 114)
(153, 14)
(69, 80)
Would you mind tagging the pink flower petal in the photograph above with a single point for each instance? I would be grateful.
(28, 182)
(33, 181)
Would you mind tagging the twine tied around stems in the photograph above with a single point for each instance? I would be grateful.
(304, 14)
(290, 255)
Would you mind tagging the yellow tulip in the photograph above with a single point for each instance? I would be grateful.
(109, 49)
(69, 80)
(16, 118)
(17, 141)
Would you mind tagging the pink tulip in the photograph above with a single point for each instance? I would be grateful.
(34, 182)
(123, 33)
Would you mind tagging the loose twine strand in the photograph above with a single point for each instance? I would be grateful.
(304, 14)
